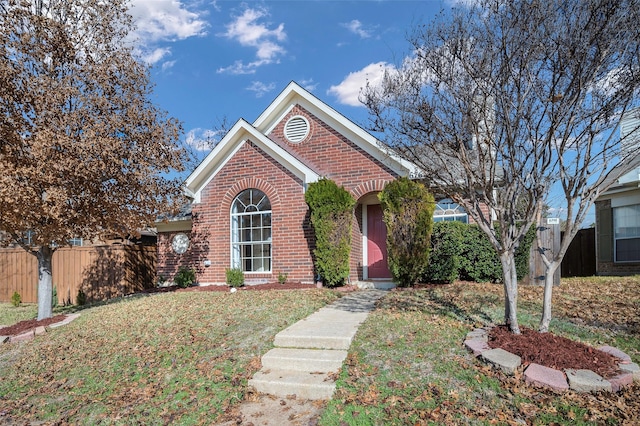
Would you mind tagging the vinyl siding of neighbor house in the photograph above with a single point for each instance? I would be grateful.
(604, 226)
(622, 194)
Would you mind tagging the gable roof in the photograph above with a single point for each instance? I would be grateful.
(229, 145)
(291, 96)
(294, 95)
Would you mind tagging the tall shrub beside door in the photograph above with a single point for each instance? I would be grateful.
(408, 214)
(331, 209)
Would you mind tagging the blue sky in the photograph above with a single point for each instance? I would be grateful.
(225, 59)
(215, 60)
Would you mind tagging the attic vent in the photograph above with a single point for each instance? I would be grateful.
(296, 129)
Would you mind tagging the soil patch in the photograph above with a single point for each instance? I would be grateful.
(24, 326)
(553, 351)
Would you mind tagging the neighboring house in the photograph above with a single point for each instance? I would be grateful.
(618, 212)
(248, 209)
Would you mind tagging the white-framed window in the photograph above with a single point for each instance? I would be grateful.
(626, 233)
(251, 231)
(75, 242)
(448, 211)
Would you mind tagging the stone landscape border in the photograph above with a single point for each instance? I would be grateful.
(541, 376)
(29, 335)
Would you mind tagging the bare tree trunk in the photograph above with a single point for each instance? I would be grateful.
(548, 291)
(510, 291)
(45, 279)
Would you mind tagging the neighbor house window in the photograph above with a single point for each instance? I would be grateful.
(251, 231)
(75, 242)
(626, 231)
(448, 211)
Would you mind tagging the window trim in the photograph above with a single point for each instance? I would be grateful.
(616, 238)
(458, 212)
(234, 229)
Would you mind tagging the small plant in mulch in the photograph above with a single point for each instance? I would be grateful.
(234, 277)
(282, 277)
(185, 277)
(81, 298)
(16, 299)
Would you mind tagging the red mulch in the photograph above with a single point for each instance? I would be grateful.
(553, 351)
(267, 286)
(289, 285)
(24, 326)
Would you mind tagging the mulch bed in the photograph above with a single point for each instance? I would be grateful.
(24, 326)
(267, 286)
(553, 351)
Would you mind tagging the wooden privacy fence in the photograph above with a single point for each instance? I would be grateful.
(578, 261)
(101, 272)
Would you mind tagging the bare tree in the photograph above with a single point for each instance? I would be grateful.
(499, 101)
(83, 152)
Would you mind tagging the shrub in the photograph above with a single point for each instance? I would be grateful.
(481, 263)
(446, 249)
(81, 298)
(282, 277)
(523, 253)
(479, 260)
(185, 277)
(408, 214)
(235, 277)
(16, 299)
(331, 208)
(54, 297)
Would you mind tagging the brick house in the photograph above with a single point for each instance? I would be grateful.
(618, 211)
(248, 208)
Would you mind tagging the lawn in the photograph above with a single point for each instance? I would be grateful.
(407, 364)
(185, 358)
(167, 358)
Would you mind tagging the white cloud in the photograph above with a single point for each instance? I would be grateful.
(309, 84)
(348, 91)
(159, 20)
(356, 27)
(202, 139)
(162, 21)
(166, 65)
(155, 55)
(260, 89)
(249, 32)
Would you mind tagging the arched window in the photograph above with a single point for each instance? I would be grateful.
(448, 211)
(251, 231)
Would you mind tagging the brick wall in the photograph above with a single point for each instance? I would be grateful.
(291, 234)
(324, 150)
(337, 158)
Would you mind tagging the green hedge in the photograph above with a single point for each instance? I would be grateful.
(331, 208)
(445, 258)
(408, 215)
(461, 251)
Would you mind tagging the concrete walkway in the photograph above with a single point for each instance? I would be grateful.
(309, 353)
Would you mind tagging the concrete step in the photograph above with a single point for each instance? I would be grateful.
(327, 340)
(320, 332)
(309, 360)
(287, 382)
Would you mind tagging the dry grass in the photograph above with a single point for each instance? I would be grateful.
(407, 364)
(168, 358)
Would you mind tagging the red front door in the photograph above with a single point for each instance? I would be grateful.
(376, 243)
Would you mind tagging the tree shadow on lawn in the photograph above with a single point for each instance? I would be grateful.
(428, 300)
